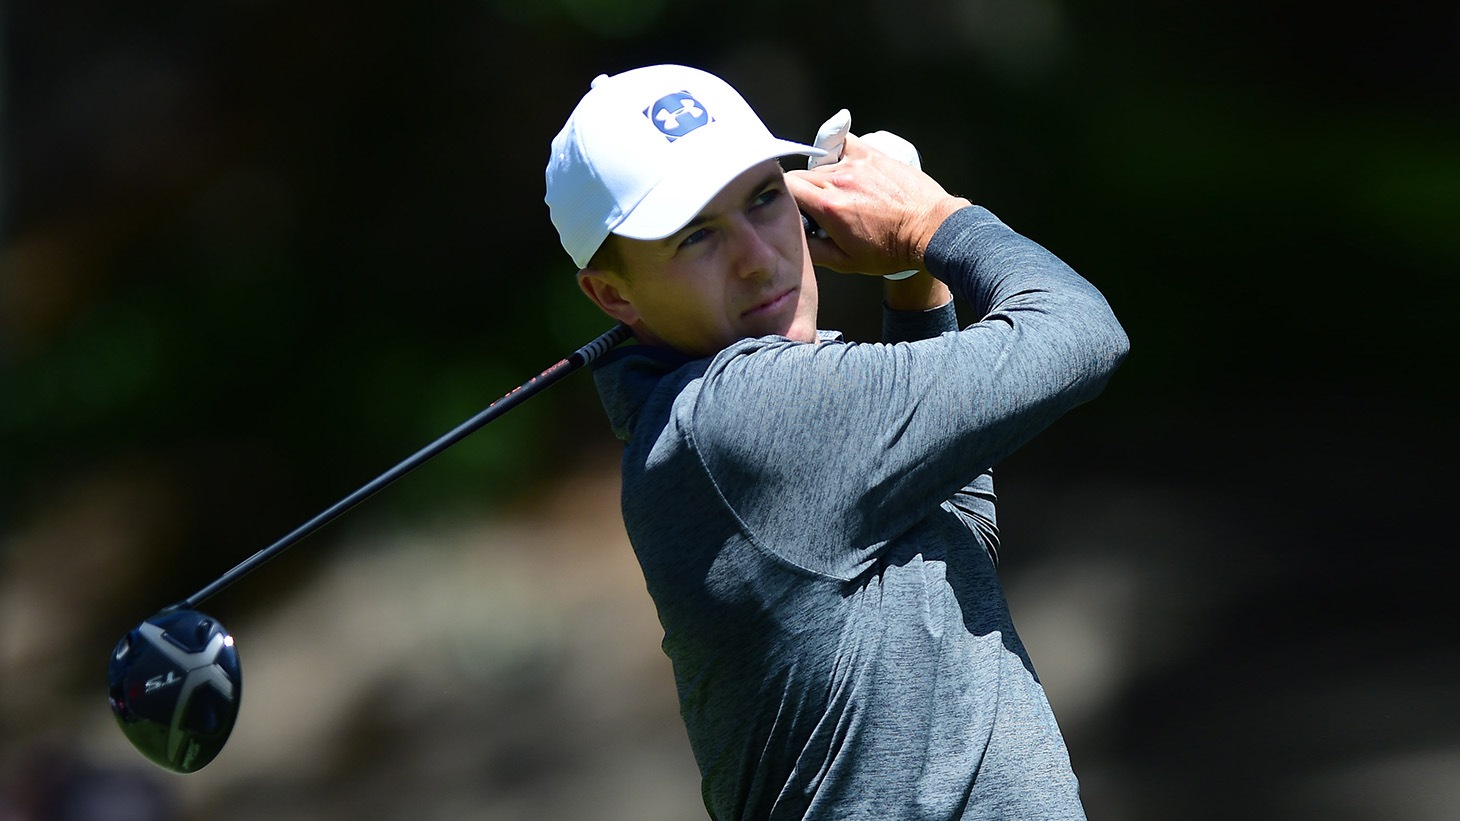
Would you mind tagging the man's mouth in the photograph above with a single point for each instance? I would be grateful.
(772, 305)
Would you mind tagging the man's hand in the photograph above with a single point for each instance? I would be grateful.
(878, 213)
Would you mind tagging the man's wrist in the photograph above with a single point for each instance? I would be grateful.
(921, 292)
(933, 219)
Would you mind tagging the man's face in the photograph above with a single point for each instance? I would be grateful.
(739, 269)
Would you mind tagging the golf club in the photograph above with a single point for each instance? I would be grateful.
(174, 681)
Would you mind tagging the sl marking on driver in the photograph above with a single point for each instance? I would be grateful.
(158, 682)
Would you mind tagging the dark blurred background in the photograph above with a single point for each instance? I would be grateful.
(255, 252)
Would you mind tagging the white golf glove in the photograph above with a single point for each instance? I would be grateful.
(833, 137)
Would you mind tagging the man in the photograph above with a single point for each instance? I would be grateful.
(815, 518)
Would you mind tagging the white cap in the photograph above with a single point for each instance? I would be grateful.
(646, 150)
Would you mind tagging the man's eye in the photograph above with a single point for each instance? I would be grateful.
(695, 237)
(767, 197)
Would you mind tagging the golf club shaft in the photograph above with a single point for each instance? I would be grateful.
(518, 395)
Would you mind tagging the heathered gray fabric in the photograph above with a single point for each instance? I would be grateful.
(815, 523)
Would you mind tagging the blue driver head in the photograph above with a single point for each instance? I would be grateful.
(174, 683)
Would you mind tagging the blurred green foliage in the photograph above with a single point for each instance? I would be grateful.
(277, 247)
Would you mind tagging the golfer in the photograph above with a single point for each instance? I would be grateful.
(815, 518)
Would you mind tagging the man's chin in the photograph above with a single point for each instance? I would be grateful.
(802, 326)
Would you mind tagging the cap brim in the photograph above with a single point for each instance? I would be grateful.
(684, 193)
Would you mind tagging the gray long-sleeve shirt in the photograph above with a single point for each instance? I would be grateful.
(815, 524)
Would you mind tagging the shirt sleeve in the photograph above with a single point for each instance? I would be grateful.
(827, 452)
(910, 326)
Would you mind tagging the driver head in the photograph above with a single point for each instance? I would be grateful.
(174, 684)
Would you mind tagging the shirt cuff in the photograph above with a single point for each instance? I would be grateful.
(910, 326)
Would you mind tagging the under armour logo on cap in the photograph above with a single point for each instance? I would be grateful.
(677, 114)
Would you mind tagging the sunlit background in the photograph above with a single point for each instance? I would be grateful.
(255, 252)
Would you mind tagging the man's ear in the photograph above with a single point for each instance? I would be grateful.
(604, 289)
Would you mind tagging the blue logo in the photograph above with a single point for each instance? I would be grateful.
(677, 114)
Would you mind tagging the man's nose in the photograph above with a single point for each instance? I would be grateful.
(754, 254)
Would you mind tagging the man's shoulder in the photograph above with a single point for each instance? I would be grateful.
(635, 372)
